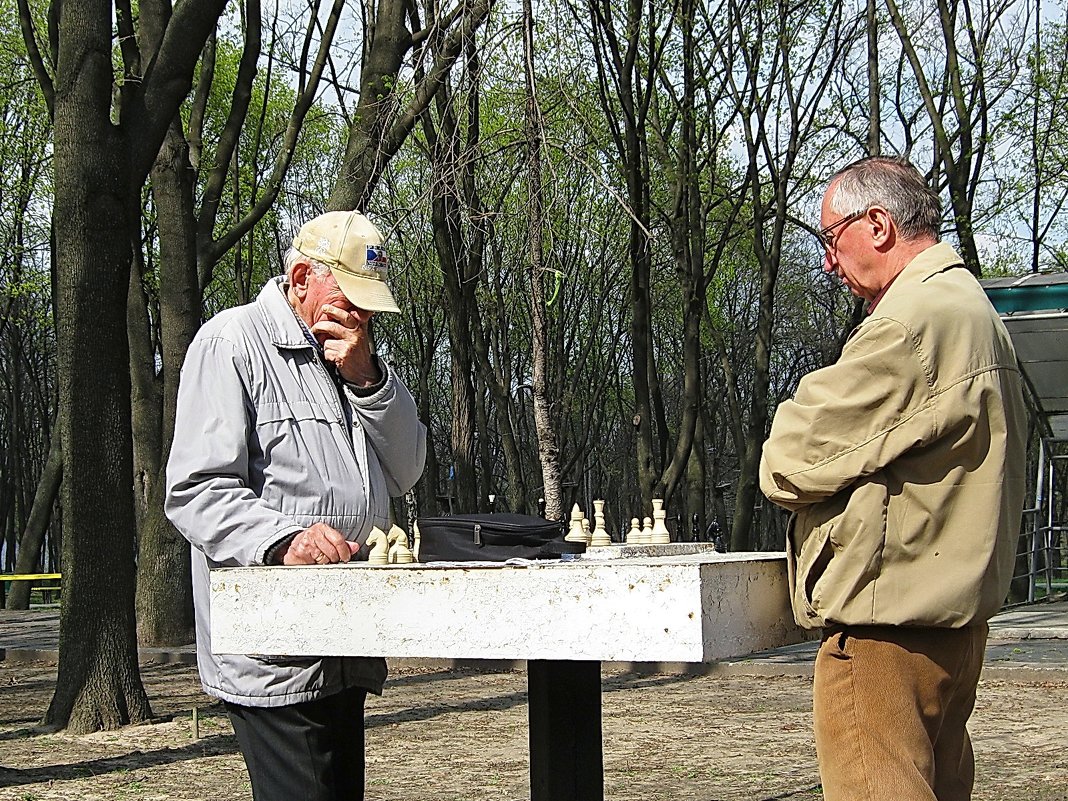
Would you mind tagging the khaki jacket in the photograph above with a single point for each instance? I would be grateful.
(904, 461)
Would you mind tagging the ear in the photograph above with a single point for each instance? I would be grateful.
(881, 226)
(298, 278)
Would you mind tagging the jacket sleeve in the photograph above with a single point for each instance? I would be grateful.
(851, 419)
(210, 499)
(393, 429)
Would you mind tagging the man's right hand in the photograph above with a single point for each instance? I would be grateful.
(319, 544)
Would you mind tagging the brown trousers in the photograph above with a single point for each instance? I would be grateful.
(890, 706)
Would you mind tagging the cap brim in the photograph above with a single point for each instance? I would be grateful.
(369, 294)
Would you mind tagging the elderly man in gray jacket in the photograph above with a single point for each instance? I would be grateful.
(289, 440)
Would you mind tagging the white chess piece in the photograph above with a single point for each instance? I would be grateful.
(587, 535)
(647, 531)
(634, 535)
(660, 535)
(600, 533)
(415, 548)
(398, 547)
(574, 532)
(379, 547)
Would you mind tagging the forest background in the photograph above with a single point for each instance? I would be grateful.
(600, 216)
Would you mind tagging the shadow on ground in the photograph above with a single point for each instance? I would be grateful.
(216, 745)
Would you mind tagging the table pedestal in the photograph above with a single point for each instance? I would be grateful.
(564, 701)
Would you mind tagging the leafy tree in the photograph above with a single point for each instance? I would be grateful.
(27, 364)
(103, 153)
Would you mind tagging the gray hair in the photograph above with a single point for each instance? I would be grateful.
(897, 186)
(293, 256)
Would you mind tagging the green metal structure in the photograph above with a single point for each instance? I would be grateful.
(1034, 308)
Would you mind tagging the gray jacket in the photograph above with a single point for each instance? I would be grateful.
(262, 449)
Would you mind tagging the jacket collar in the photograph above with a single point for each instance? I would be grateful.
(936, 259)
(284, 329)
(930, 262)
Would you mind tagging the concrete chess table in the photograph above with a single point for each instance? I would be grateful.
(671, 603)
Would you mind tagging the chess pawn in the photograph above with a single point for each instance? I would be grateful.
(379, 545)
(574, 532)
(647, 531)
(398, 547)
(660, 534)
(634, 535)
(715, 536)
(587, 535)
(600, 534)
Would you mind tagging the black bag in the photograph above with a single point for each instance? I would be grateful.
(492, 538)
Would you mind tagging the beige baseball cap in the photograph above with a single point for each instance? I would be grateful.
(351, 246)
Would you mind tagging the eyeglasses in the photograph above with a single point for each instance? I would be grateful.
(826, 235)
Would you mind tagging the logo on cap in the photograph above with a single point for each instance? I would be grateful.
(377, 258)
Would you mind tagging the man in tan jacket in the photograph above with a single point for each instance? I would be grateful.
(903, 464)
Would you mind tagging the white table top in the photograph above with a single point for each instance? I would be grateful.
(689, 607)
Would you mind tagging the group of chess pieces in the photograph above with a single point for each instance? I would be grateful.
(652, 531)
(392, 547)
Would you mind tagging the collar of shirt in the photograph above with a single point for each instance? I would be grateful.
(308, 335)
(877, 298)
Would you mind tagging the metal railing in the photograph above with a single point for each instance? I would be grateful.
(1044, 544)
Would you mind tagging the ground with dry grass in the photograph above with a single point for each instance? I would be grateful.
(461, 735)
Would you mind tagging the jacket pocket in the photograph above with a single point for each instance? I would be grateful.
(292, 662)
(812, 560)
(269, 412)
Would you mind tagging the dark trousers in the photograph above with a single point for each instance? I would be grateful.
(890, 708)
(304, 752)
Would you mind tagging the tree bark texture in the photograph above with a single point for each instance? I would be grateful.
(548, 448)
(164, 599)
(146, 402)
(98, 685)
(875, 129)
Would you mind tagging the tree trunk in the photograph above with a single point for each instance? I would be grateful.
(98, 685)
(874, 107)
(446, 214)
(695, 487)
(427, 488)
(548, 450)
(428, 484)
(364, 157)
(145, 403)
(502, 410)
(380, 125)
(687, 238)
(29, 550)
(164, 601)
(742, 527)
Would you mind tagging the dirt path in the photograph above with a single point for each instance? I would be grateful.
(461, 736)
